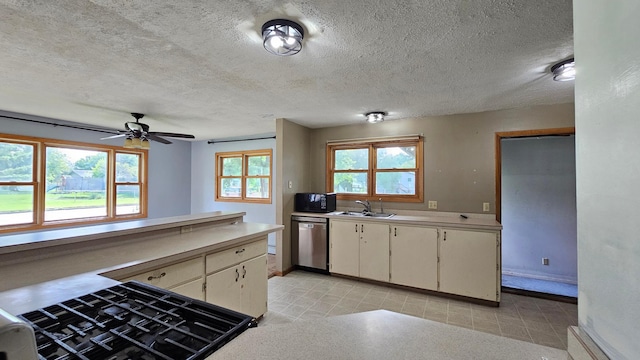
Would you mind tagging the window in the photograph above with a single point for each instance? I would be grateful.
(244, 176)
(389, 169)
(45, 182)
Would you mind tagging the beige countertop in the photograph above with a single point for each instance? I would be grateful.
(378, 334)
(439, 219)
(41, 239)
(43, 276)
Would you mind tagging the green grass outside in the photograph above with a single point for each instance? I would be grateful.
(18, 202)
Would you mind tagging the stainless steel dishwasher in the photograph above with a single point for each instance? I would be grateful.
(309, 243)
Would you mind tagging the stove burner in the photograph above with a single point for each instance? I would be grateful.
(133, 321)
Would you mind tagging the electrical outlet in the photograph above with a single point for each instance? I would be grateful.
(545, 261)
(290, 184)
(485, 207)
(433, 204)
(186, 229)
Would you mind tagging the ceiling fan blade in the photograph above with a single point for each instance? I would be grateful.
(184, 136)
(154, 137)
(113, 136)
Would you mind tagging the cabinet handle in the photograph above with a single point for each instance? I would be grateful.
(239, 251)
(445, 236)
(156, 277)
(362, 228)
(237, 275)
(356, 227)
(395, 231)
(244, 271)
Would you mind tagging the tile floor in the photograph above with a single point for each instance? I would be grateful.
(302, 295)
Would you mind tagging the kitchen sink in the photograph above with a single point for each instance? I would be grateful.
(364, 214)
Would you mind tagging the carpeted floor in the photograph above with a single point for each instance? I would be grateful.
(541, 286)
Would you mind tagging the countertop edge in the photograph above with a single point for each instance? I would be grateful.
(41, 239)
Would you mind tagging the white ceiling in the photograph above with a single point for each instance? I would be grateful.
(199, 66)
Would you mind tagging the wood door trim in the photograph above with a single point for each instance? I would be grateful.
(518, 134)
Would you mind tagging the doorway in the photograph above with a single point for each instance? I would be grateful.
(535, 202)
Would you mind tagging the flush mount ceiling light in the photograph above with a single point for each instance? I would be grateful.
(282, 37)
(375, 117)
(564, 70)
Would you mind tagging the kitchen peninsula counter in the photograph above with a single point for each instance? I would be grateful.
(72, 261)
(378, 334)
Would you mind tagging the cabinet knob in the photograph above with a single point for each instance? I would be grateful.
(156, 277)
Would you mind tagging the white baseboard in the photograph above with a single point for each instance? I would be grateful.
(561, 279)
(581, 347)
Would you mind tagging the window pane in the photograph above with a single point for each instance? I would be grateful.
(231, 187)
(75, 184)
(259, 165)
(16, 162)
(350, 183)
(16, 205)
(352, 159)
(232, 166)
(398, 183)
(127, 199)
(258, 188)
(396, 157)
(127, 166)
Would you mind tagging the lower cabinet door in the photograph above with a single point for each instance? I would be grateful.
(374, 251)
(468, 264)
(192, 289)
(414, 256)
(224, 289)
(254, 286)
(242, 288)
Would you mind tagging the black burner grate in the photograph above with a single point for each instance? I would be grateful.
(133, 321)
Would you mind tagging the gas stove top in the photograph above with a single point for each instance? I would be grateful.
(133, 321)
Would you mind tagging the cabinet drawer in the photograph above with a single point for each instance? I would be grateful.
(226, 258)
(172, 275)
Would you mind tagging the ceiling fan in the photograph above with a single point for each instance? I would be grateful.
(138, 135)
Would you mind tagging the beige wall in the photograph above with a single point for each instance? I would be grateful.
(292, 163)
(459, 151)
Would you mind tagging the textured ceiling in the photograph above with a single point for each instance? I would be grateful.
(199, 66)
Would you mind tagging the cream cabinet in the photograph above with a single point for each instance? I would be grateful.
(237, 278)
(359, 249)
(185, 278)
(374, 251)
(344, 249)
(414, 256)
(469, 263)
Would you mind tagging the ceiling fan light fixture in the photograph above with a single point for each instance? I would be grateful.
(564, 70)
(145, 144)
(128, 143)
(375, 117)
(282, 37)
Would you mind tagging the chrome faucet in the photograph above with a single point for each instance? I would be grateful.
(366, 204)
(381, 209)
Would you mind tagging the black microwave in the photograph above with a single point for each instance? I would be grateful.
(315, 202)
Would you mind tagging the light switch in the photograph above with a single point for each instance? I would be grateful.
(485, 207)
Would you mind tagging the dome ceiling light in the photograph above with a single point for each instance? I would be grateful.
(282, 37)
(375, 117)
(564, 70)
